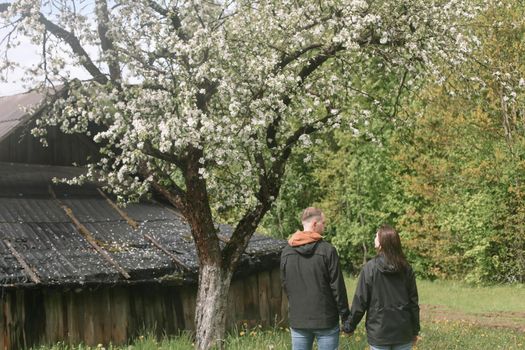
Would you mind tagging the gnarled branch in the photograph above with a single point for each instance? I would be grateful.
(106, 43)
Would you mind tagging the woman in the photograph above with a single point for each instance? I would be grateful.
(387, 292)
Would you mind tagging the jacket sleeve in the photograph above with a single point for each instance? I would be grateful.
(361, 300)
(337, 284)
(413, 299)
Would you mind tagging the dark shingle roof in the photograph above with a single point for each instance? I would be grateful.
(40, 244)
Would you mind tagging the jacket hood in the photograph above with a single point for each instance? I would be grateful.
(385, 267)
(306, 249)
(305, 242)
(303, 237)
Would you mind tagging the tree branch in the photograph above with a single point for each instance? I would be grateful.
(174, 17)
(278, 167)
(295, 55)
(174, 193)
(313, 64)
(399, 91)
(73, 43)
(154, 152)
(240, 237)
(77, 48)
(105, 42)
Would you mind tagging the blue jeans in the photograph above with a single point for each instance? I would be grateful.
(303, 339)
(407, 346)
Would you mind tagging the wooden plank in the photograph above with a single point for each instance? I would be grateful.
(230, 307)
(54, 317)
(88, 321)
(131, 222)
(3, 329)
(169, 296)
(251, 300)
(7, 321)
(120, 315)
(150, 299)
(178, 309)
(74, 310)
(166, 251)
(136, 311)
(264, 283)
(276, 297)
(88, 236)
(189, 301)
(35, 316)
(134, 224)
(28, 269)
(238, 296)
(14, 314)
(275, 276)
(98, 310)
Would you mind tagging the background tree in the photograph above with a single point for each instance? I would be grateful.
(203, 101)
(465, 158)
(447, 170)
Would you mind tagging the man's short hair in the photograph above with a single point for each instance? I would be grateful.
(310, 213)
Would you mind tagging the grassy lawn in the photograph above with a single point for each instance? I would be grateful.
(463, 297)
(455, 316)
(435, 336)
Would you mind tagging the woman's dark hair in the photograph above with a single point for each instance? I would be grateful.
(391, 247)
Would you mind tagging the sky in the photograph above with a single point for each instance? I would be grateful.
(27, 55)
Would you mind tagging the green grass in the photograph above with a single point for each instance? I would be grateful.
(460, 296)
(435, 336)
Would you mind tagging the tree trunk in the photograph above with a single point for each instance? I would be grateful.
(210, 311)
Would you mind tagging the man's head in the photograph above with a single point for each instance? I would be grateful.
(313, 220)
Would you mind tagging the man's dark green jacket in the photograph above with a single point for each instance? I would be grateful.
(312, 279)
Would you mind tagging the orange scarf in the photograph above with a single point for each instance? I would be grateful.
(304, 237)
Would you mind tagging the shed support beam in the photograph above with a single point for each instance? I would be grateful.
(88, 236)
(135, 225)
(27, 268)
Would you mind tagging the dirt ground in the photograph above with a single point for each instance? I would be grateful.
(511, 320)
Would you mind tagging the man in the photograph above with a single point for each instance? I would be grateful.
(312, 279)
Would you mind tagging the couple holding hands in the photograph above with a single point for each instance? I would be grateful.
(312, 279)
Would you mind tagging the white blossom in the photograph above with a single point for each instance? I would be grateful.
(248, 61)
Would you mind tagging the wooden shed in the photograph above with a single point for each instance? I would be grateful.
(75, 267)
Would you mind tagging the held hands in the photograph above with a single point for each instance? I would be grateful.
(346, 327)
(415, 340)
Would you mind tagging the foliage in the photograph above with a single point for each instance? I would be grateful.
(465, 161)
(447, 169)
(299, 190)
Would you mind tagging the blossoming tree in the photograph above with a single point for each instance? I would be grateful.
(203, 101)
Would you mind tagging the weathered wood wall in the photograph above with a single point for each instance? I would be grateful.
(99, 315)
(21, 147)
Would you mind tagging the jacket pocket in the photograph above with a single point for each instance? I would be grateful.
(395, 323)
